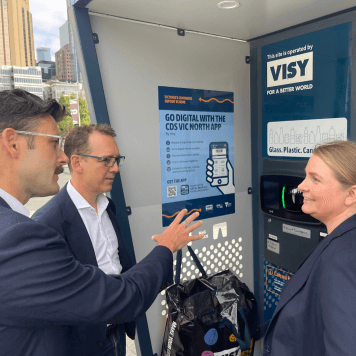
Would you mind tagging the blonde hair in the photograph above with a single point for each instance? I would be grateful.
(340, 156)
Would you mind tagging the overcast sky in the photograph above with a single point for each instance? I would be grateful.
(47, 17)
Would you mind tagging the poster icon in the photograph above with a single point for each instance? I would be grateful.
(219, 152)
(220, 173)
(184, 189)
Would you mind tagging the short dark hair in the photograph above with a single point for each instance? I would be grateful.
(23, 111)
(77, 140)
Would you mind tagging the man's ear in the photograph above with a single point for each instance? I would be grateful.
(10, 142)
(75, 161)
(351, 197)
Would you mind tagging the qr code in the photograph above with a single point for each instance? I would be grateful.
(171, 192)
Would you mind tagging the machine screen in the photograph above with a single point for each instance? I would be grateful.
(281, 197)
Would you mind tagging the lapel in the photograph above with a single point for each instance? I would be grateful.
(302, 275)
(75, 231)
(4, 204)
(123, 254)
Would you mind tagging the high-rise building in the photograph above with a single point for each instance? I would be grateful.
(64, 34)
(16, 33)
(74, 63)
(43, 54)
(5, 58)
(63, 67)
(48, 70)
(75, 69)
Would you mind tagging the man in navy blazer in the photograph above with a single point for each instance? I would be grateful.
(46, 294)
(61, 214)
(83, 225)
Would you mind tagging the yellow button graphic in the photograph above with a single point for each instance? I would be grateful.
(232, 338)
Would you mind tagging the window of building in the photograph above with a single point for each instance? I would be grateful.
(24, 34)
(29, 36)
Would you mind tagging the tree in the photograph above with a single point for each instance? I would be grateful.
(67, 123)
(84, 112)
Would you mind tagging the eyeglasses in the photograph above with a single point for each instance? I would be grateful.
(60, 138)
(109, 161)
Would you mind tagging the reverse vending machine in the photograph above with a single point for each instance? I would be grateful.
(301, 84)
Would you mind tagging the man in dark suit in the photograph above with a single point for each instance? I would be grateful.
(91, 229)
(45, 292)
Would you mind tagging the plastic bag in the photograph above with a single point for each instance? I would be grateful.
(209, 315)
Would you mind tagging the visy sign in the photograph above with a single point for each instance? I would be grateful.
(290, 70)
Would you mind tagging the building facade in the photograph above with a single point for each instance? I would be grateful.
(53, 89)
(16, 34)
(26, 78)
(63, 65)
(43, 54)
(48, 70)
(64, 34)
(75, 69)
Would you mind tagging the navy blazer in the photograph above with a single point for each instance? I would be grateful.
(61, 214)
(47, 295)
(316, 313)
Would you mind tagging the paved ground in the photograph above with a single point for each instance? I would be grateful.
(36, 203)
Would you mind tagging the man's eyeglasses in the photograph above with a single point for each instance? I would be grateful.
(60, 138)
(109, 161)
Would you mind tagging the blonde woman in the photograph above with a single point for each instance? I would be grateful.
(316, 314)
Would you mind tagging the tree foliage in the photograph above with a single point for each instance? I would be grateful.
(67, 123)
(84, 112)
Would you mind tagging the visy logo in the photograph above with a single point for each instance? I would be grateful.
(290, 70)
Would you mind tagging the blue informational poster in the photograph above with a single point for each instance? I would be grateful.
(306, 92)
(197, 152)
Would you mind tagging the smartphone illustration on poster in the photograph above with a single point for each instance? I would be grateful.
(219, 154)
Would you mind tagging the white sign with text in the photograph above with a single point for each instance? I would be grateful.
(298, 138)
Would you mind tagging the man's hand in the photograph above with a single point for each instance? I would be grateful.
(176, 236)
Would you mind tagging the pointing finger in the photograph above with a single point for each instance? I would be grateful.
(191, 218)
(180, 216)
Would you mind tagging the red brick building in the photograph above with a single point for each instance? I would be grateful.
(63, 64)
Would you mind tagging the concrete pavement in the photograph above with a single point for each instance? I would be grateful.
(35, 203)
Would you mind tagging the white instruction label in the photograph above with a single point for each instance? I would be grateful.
(273, 237)
(298, 231)
(273, 246)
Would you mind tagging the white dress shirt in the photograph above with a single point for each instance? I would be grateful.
(100, 230)
(15, 205)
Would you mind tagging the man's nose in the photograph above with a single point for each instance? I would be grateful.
(115, 168)
(63, 159)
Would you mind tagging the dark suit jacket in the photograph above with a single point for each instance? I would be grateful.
(46, 294)
(61, 214)
(316, 313)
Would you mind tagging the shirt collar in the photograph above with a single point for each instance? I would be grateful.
(15, 205)
(80, 203)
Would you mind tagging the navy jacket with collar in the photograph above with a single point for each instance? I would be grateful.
(61, 214)
(48, 297)
(316, 313)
